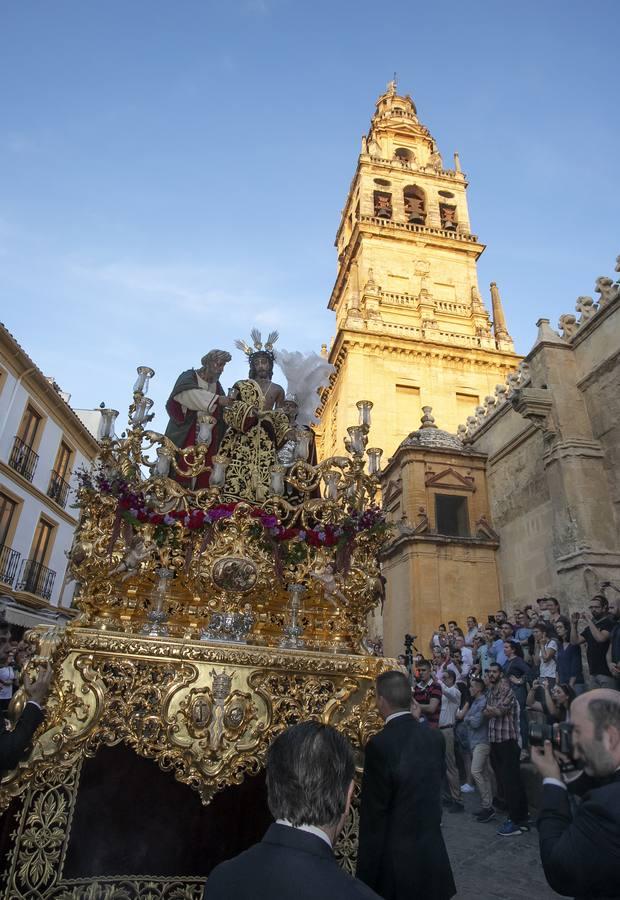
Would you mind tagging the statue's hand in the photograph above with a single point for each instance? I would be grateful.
(224, 401)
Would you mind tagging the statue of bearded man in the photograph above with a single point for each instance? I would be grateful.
(198, 392)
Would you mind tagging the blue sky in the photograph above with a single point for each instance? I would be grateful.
(172, 173)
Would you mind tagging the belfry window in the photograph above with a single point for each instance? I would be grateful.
(451, 515)
(415, 204)
(447, 213)
(383, 204)
(404, 155)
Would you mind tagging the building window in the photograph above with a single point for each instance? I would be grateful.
(383, 204)
(408, 409)
(35, 577)
(29, 427)
(415, 204)
(466, 406)
(7, 512)
(451, 515)
(9, 558)
(447, 214)
(403, 155)
(58, 488)
(23, 457)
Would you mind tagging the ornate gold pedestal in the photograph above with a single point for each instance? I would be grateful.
(205, 712)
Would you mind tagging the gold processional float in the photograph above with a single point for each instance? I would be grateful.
(208, 622)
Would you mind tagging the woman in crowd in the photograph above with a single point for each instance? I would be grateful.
(478, 733)
(558, 701)
(569, 663)
(545, 651)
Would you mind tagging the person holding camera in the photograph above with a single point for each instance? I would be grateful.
(596, 636)
(580, 852)
(14, 744)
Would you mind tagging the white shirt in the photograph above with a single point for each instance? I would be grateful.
(549, 669)
(450, 702)
(311, 829)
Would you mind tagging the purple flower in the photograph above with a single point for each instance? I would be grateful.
(168, 520)
(269, 521)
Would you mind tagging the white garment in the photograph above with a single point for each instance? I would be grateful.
(202, 398)
(311, 829)
(549, 669)
(450, 702)
(7, 673)
(468, 660)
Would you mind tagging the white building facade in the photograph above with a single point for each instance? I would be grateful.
(43, 444)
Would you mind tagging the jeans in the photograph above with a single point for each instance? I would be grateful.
(505, 761)
(481, 774)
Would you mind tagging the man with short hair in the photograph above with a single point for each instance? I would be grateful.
(505, 634)
(310, 771)
(580, 850)
(596, 636)
(466, 654)
(502, 712)
(427, 693)
(401, 853)
(450, 702)
(549, 609)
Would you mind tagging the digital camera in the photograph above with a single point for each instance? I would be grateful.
(560, 734)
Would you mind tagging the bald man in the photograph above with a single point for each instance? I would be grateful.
(580, 853)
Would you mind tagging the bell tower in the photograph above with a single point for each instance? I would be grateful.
(411, 327)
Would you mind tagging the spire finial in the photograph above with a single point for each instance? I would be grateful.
(392, 85)
(499, 320)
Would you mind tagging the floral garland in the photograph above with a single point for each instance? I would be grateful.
(133, 508)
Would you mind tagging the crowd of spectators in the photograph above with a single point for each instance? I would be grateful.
(484, 684)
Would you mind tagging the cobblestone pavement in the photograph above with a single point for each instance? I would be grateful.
(489, 867)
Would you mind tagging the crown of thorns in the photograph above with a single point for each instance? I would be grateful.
(258, 346)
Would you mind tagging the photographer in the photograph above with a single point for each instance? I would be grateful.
(580, 853)
(14, 744)
(596, 636)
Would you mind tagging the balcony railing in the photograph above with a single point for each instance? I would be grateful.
(9, 561)
(36, 579)
(23, 459)
(58, 489)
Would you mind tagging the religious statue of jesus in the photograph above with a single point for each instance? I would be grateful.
(257, 425)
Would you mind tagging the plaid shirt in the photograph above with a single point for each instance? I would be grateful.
(504, 727)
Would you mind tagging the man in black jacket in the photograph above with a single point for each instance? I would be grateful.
(14, 744)
(580, 852)
(402, 854)
(310, 770)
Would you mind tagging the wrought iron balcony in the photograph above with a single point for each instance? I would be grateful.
(36, 579)
(58, 489)
(23, 459)
(9, 561)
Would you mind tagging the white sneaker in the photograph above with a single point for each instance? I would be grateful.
(467, 789)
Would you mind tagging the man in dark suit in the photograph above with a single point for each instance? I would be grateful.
(401, 853)
(14, 744)
(580, 851)
(310, 770)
